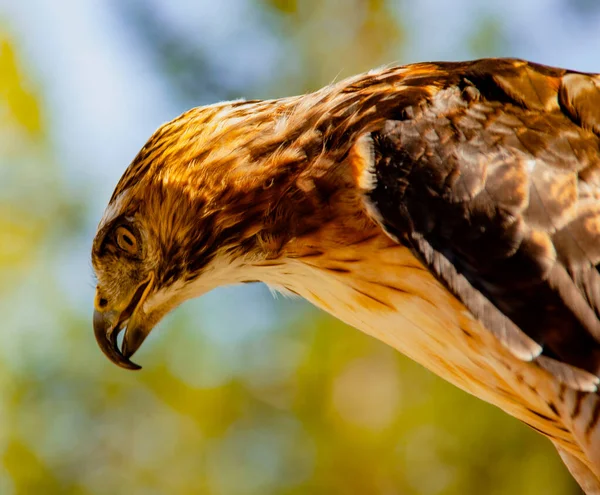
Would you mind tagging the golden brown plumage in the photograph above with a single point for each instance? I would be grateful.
(451, 210)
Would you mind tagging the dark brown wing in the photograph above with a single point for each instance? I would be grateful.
(493, 180)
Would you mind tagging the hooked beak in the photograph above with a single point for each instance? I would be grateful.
(108, 326)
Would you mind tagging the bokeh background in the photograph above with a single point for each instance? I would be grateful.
(241, 394)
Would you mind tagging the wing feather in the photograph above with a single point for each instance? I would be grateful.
(493, 181)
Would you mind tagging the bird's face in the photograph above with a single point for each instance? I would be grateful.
(124, 259)
(155, 248)
(184, 218)
(148, 258)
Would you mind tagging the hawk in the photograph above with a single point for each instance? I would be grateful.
(450, 210)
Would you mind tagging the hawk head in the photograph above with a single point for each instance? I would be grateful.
(212, 196)
(190, 211)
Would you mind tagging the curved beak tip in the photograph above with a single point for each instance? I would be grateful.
(106, 330)
(108, 325)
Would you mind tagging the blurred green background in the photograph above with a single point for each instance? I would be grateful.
(272, 396)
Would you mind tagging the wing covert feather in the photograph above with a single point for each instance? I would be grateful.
(493, 180)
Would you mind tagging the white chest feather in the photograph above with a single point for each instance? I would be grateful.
(379, 287)
(383, 290)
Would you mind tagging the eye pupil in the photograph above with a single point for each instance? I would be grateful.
(125, 240)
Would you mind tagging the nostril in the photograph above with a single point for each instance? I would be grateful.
(102, 302)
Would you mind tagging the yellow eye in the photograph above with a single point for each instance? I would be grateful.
(126, 240)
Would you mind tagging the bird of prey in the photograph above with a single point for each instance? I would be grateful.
(451, 210)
